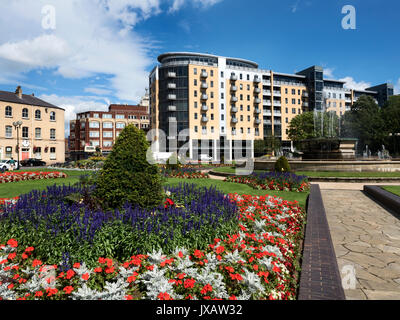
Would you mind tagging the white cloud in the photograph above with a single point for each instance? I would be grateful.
(328, 73)
(178, 4)
(98, 91)
(352, 84)
(76, 104)
(295, 6)
(397, 87)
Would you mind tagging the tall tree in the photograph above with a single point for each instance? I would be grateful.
(391, 117)
(365, 122)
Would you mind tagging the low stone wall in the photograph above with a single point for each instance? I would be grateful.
(337, 166)
(386, 198)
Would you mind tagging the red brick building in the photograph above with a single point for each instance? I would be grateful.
(99, 129)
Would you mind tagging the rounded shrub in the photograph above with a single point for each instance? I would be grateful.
(282, 165)
(127, 176)
(173, 162)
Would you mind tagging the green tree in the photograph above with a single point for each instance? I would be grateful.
(127, 175)
(391, 118)
(365, 122)
(266, 146)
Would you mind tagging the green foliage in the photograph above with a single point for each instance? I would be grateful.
(282, 165)
(309, 125)
(391, 118)
(173, 162)
(127, 175)
(365, 122)
(266, 146)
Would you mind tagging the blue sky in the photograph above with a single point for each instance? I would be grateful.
(101, 51)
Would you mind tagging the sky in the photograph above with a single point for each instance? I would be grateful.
(86, 54)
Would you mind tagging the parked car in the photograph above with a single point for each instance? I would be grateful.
(205, 157)
(5, 165)
(33, 163)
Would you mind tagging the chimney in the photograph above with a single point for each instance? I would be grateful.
(18, 92)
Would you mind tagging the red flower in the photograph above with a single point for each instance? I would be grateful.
(70, 274)
(198, 254)
(77, 265)
(220, 249)
(85, 276)
(39, 294)
(30, 249)
(68, 289)
(109, 270)
(164, 296)
(98, 270)
(189, 283)
(206, 289)
(12, 243)
(11, 256)
(36, 263)
(128, 297)
(24, 256)
(102, 260)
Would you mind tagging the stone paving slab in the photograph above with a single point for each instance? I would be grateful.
(366, 239)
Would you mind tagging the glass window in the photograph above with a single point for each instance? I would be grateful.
(94, 124)
(107, 116)
(52, 116)
(107, 125)
(8, 132)
(38, 115)
(107, 134)
(52, 153)
(52, 134)
(25, 113)
(94, 134)
(25, 132)
(120, 116)
(107, 144)
(8, 152)
(120, 125)
(38, 133)
(8, 111)
(38, 153)
(195, 71)
(95, 115)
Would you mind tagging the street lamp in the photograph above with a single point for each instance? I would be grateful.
(17, 125)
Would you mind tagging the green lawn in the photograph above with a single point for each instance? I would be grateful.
(14, 189)
(328, 174)
(229, 187)
(393, 189)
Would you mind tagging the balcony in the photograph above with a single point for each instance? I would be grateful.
(172, 119)
(204, 85)
(234, 77)
(268, 122)
(204, 119)
(267, 103)
(234, 110)
(277, 123)
(234, 120)
(305, 104)
(204, 97)
(257, 121)
(234, 88)
(277, 103)
(171, 85)
(257, 111)
(267, 82)
(172, 97)
(257, 101)
(234, 99)
(172, 108)
(277, 94)
(204, 108)
(277, 114)
(171, 75)
(266, 93)
(204, 74)
(171, 138)
(257, 90)
(267, 113)
(257, 80)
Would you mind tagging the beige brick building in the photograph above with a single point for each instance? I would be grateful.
(41, 135)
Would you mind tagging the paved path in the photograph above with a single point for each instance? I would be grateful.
(366, 237)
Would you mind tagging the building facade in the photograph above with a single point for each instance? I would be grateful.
(42, 133)
(227, 103)
(99, 129)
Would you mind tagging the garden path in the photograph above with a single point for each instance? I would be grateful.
(366, 239)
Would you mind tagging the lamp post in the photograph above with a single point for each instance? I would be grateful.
(17, 125)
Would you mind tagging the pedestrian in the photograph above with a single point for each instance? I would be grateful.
(12, 164)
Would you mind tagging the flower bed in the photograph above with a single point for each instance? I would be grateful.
(184, 173)
(273, 181)
(259, 261)
(23, 176)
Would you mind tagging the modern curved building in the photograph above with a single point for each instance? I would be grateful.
(228, 103)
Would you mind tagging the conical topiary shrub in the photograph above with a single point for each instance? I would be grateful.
(282, 165)
(127, 175)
